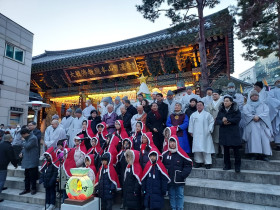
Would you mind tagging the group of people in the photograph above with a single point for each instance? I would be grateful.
(144, 148)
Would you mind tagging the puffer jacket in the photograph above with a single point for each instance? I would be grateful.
(105, 188)
(131, 191)
(144, 158)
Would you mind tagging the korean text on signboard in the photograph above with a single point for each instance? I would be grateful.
(102, 71)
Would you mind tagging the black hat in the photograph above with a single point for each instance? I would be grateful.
(218, 91)
(209, 88)
(259, 84)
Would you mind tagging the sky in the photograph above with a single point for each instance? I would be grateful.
(70, 24)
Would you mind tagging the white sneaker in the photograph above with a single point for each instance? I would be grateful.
(51, 207)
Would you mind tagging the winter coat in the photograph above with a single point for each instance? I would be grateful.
(154, 187)
(105, 188)
(121, 166)
(144, 158)
(38, 134)
(131, 191)
(137, 141)
(163, 110)
(229, 135)
(48, 175)
(30, 152)
(7, 155)
(110, 121)
(94, 123)
(178, 168)
(126, 118)
(131, 110)
(190, 111)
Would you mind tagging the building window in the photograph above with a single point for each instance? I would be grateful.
(14, 53)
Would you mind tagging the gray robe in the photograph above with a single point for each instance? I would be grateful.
(257, 134)
(66, 122)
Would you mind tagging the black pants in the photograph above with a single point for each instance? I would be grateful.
(30, 178)
(106, 204)
(50, 195)
(237, 156)
(17, 151)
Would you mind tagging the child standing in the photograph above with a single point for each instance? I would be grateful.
(107, 182)
(49, 172)
(139, 130)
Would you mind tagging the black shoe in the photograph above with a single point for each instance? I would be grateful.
(4, 188)
(265, 159)
(254, 158)
(1, 200)
(197, 165)
(33, 192)
(237, 170)
(24, 192)
(226, 168)
(277, 148)
(207, 166)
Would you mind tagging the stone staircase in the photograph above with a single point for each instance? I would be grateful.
(257, 187)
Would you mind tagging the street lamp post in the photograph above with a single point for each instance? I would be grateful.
(36, 106)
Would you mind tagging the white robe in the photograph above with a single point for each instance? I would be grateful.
(137, 104)
(87, 110)
(273, 101)
(262, 95)
(54, 136)
(201, 126)
(171, 106)
(207, 100)
(118, 109)
(103, 110)
(75, 127)
(185, 100)
(66, 122)
(257, 134)
(134, 121)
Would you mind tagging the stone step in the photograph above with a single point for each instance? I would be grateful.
(241, 192)
(13, 195)
(197, 203)
(258, 165)
(275, 154)
(248, 176)
(13, 205)
(18, 183)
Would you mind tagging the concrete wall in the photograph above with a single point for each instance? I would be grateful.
(15, 75)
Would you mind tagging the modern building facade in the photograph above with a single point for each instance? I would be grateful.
(248, 75)
(15, 69)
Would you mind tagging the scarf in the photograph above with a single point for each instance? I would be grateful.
(255, 105)
(143, 147)
(157, 114)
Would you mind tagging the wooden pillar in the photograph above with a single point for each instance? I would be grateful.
(227, 56)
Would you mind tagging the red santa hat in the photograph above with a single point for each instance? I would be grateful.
(69, 161)
(51, 153)
(104, 131)
(172, 131)
(158, 163)
(89, 130)
(112, 174)
(121, 132)
(135, 167)
(178, 148)
(91, 160)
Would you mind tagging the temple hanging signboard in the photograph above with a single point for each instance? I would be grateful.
(102, 71)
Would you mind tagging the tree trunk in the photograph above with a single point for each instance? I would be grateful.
(204, 81)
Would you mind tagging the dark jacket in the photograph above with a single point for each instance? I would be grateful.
(38, 134)
(229, 135)
(131, 110)
(7, 155)
(154, 186)
(48, 175)
(30, 152)
(147, 109)
(105, 188)
(137, 141)
(151, 123)
(120, 167)
(163, 110)
(94, 122)
(190, 111)
(131, 191)
(178, 168)
(144, 158)
(126, 121)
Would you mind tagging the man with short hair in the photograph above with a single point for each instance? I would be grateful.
(88, 109)
(117, 105)
(208, 98)
(57, 133)
(200, 127)
(237, 97)
(140, 98)
(162, 107)
(30, 160)
(140, 116)
(110, 119)
(154, 97)
(170, 101)
(185, 100)
(130, 109)
(67, 120)
(258, 86)
(126, 118)
(33, 127)
(6, 156)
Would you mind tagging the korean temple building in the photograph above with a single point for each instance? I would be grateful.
(68, 77)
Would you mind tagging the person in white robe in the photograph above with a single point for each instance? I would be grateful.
(257, 132)
(75, 127)
(208, 98)
(67, 120)
(258, 86)
(117, 105)
(140, 116)
(201, 126)
(170, 101)
(103, 106)
(185, 100)
(88, 109)
(237, 97)
(56, 133)
(213, 108)
(273, 101)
